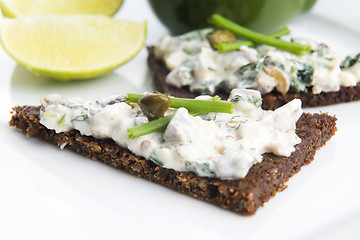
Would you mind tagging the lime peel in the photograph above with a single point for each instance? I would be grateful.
(72, 47)
(18, 8)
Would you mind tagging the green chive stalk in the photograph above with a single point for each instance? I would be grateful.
(211, 105)
(225, 47)
(161, 123)
(149, 127)
(155, 125)
(256, 37)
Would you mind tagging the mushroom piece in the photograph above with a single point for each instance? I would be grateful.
(220, 36)
(282, 85)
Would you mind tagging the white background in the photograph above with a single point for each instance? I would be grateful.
(46, 193)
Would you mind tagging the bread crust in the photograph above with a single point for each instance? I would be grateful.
(242, 196)
(271, 100)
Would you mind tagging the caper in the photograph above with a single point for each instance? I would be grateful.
(220, 36)
(154, 104)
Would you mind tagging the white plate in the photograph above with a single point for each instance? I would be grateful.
(46, 193)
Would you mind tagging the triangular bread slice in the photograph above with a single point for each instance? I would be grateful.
(242, 196)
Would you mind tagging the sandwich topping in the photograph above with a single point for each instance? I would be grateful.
(212, 144)
(195, 64)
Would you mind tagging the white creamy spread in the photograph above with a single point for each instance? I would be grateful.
(193, 63)
(218, 145)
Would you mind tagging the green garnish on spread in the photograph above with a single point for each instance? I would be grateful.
(150, 127)
(225, 47)
(195, 107)
(211, 105)
(349, 61)
(256, 37)
(62, 120)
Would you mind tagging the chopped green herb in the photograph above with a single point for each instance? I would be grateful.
(201, 168)
(254, 66)
(225, 85)
(205, 87)
(188, 50)
(83, 117)
(186, 69)
(62, 121)
(319, 52)
(80, 120)
(302, 76)
(157, 162)
(251, 99)
(306, 75)
(349, 62)
(248, 67)
(71, 106)
(236, 99)
(294, 86)
(254, 100)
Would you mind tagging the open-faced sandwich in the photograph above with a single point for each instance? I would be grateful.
(213, 62)
(230, 153)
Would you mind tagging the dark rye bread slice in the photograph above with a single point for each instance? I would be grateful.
(271, 100)
(243, 196)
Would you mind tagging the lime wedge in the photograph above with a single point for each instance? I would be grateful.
(71, 47)
(18, 8)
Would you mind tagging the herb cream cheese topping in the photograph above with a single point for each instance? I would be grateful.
(193, 63)
(221, 145)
